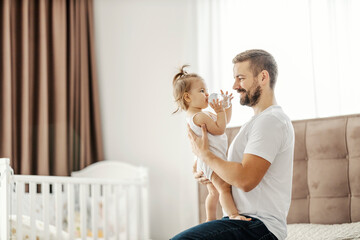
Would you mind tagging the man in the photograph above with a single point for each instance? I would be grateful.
(260, 158)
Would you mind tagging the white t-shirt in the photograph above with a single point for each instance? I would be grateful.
(269, 135)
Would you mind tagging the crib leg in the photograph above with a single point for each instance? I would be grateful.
(5, 173)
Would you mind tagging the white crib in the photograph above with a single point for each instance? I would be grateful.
(107, 200)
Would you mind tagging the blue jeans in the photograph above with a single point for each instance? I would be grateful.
(226, 229)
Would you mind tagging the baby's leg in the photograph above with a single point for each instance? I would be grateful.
(226, 200)
(211, 202)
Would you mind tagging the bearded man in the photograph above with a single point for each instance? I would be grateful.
(260, 158)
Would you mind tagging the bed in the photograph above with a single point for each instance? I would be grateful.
(326, 179)
(106, 200)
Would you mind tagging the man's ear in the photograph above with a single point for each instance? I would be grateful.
(264, 77)
(186, 97)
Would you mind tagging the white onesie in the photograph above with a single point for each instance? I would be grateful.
(218, 145)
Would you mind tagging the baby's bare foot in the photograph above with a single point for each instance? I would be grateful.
(239, 217)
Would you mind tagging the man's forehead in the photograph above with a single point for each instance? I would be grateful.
(241, 68)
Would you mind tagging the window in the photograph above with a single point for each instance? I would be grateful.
(315, 43)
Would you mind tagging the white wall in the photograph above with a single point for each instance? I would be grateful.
(139, 45)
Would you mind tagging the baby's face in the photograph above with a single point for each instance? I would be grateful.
(199, 94)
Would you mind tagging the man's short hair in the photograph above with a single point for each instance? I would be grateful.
(259, 60)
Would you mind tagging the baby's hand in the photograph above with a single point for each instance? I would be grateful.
(217, 105)
(227, 98)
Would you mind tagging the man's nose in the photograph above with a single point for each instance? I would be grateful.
(236, 85)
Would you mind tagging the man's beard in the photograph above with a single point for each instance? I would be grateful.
(248, 100)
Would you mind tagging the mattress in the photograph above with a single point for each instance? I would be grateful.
(309, 231)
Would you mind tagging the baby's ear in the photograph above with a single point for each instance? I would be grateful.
(187, 97)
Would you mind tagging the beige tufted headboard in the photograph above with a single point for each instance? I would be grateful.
(326, 178)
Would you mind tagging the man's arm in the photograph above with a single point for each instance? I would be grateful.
(246, 175)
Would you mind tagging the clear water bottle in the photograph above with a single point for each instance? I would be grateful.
(226, 100)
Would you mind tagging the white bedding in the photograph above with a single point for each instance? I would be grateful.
(343, 231)
(39, 224)
(39, 229)
(40, 234)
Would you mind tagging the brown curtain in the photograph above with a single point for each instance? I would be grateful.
(49, 103)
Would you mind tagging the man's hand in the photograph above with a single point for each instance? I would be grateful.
(199, 145)
(199, 176)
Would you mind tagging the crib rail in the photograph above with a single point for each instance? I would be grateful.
(88, 194)
(55, 179)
